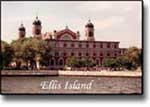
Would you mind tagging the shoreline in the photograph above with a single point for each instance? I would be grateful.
(71, 73)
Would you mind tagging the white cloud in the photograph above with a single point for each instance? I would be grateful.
(109, 22)
(94, 6)
(113, 20)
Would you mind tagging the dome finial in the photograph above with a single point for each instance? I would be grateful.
(21, 27)
(89, 24)
(36, 15)
(66, 26)
(21, 23)
(37, 21)
(89, 20)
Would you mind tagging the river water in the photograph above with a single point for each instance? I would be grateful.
(71, 84)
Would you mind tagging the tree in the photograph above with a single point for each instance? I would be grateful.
(34, 50)
(17, 46)
(6, 54)
(46, 55)
(111, 62)
(30, 52)
(130, 60)
(88, 63)
(133, 58)
(73, 62)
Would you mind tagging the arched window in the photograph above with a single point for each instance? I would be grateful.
(108, 54)
(65, 54)
(97, 62)
(60, 62)
(115, 54)
(115, 46)
(94, 54)
(72, 45)
(87, 54)
(56, 53)
(108, 45)
(87, 45)
(37, 31)
(72, 54)
(94, 46)
(80, 54)
(66, 37)
(52, 62)
(101, 45)
(101, 61)
(101, 54)
(80, 45)
(65, 45)
(90, 34)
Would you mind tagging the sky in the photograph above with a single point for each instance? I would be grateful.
(113, 20)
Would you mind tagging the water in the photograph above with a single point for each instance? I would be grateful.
(71, 84)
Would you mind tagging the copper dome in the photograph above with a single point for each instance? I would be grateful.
(89, 24)
(36, 21)
(21, 28)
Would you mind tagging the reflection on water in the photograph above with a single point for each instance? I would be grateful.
(71, 84)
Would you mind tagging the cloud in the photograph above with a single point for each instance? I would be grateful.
(116, 20)
(94, 6)
(109, 22)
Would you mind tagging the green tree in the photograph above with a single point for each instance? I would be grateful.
(34, 50)
(111, 62)
(31, 51)
(47, 54)
(17, 46)
(6, 54)
(130, 60)
(88, 63)
(133, 58)
(72, 62)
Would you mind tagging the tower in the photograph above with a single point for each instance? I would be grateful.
(22, 31)
(37, 28)
(89, 31)
(78, 35)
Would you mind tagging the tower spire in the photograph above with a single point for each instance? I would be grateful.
(37, 27)
(21, 31)
(66, 26)
(21, 24)
(89, 20)
(89, 31)
(36, 15)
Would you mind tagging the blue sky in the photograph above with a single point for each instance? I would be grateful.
(113, 21)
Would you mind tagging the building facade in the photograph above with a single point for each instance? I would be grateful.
(66, 43)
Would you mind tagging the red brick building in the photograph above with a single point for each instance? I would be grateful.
(66, 44)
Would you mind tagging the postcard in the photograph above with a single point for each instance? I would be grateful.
(72, 47)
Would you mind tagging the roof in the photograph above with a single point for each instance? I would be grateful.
(89, 24)
(67, 30)
(21, 28)
(37, 21)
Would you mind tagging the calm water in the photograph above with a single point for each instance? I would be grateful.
(72, 84)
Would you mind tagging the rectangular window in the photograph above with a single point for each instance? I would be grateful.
(87, 54)
(101, 54)
(94, 46)
(101, 45)
(65, 45)
(72, 45)
(108, 45)
(80, 45)
(87, 45)
(72, 54)
(79, 54)
(115, 46)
